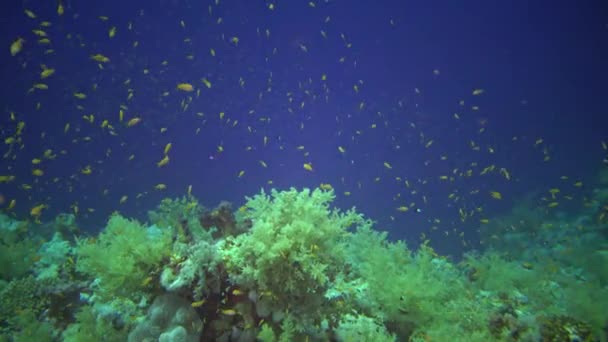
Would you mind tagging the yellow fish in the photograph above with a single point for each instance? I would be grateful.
(160, 186)
(30, 14)
(133, 122)
(496, 195)
(37, 172)
(387, 165)
(36, 211)
(163, 161)
(100, 58)
(308, 167)
(185, 87)
(147, 281)
(168, 148)
(46, 72)
(198, 303)
(228, 312)
(6, 179)
(403, 209)
(241, 173)
(325, 186)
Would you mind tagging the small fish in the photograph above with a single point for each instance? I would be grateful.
(496, 195)
(37, 172)
(160, 186)
(478, 91)
(163, 161)
(123, 199)
(168, 148)
(46, 72)
(147, 281)
(228, 312)
(36, 211)
(185, 87)
(6, 179)
(112, 32)
(30, 14)
(39, 33)
(100, 58)
(341, 149)
(387, 165)
(308, 167)
(325, 186)
(403, 208)
(39, 86)
(241, 173)
(527, 265)
(133, 122)
(198, 303)
(16, 46)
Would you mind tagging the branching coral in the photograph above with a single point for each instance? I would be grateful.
(21, 295)
(292, 253)
(123, 255)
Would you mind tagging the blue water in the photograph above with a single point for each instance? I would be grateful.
(541, 66)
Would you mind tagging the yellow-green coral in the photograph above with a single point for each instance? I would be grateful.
(123, 255)
(293, 250)
(21, 295)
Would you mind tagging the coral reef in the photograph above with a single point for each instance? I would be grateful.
(123, 256)
(170, 318)
(287, 266)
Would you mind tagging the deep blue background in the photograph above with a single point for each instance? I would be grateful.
(541, 64)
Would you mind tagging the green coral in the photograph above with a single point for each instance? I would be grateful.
(123, 255)
(294, 250)
(564, 328)
(17, 250)
(182, 215)
(362, 328)
(32, 330)
(91, 327)
(21, 295)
